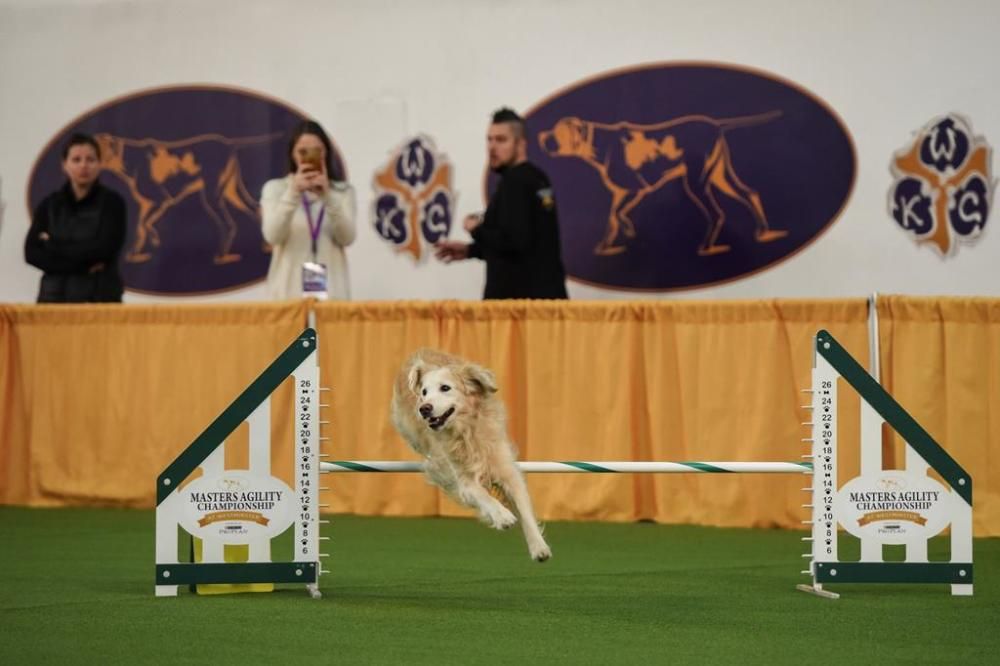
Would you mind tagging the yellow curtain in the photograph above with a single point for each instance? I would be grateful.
(96, 400)
(941, 361)
(599, 381)
(361, 346)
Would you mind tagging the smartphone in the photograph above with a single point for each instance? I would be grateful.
(312, 157)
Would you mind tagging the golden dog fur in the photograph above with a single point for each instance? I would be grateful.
(447, 411)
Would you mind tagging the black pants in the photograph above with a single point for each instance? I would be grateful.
(99, 287)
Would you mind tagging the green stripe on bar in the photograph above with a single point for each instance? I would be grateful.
(245, 572)
(588, 467)
(894, 572)
(702, 467)
(355, 467)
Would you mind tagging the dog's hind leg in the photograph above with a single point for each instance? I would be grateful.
(702, 197)
(226, 228)
(516, 489)
(620, 207)
(723, 178)
(138, 254)
(630, 202)
(609, 244)
(145, 231)
(468, 492)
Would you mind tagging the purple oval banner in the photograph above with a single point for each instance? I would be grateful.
(682, 175)
(190, 162)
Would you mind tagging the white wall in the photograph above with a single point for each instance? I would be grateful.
(374, 72)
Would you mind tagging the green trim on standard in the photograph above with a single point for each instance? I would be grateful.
(243, 572)
(894, 414)
(894, 572)
(237, 412)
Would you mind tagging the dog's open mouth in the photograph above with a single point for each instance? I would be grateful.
(435, 422)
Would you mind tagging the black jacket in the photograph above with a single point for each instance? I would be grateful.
(81, 234)
(519, 237)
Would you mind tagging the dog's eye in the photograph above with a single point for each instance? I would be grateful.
(424, 392)
(445, 388)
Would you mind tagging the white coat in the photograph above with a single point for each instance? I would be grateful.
(286, 229)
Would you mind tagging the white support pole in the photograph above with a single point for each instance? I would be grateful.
(259, 423)
(825, 426)
(166, 539)
(213, 551)
(306, 544)
(871, 423)
(961, 540)
(874, 342)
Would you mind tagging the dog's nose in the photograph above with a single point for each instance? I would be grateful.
(425, 410)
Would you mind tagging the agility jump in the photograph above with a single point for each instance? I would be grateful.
(249, 507)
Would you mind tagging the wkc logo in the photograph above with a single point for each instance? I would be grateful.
(943, 188)
(190, 163)
(414, 201)
(675, 176)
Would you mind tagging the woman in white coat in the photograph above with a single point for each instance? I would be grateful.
(308, 219)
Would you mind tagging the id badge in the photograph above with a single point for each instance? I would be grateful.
(314, 280)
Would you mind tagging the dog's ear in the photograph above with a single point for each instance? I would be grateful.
(479, 379)
(415, 375)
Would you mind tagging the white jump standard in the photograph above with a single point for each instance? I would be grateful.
(247, 508)
(880, 506)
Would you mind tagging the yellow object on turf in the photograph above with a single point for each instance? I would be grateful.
(235, 554)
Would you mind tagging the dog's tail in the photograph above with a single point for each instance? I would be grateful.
(727, 124)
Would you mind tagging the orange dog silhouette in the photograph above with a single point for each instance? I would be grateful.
(635, 160)
(161, 174)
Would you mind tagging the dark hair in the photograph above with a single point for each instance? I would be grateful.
(314, 128)
(509, 116)
(80, 139)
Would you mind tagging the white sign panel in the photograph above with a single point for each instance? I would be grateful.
(236, 506)
(893, 507)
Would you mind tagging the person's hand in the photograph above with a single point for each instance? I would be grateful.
(96, 268)
(43, 236)
(321, 183)
(449, 251)
(308, 178)
(472, 221)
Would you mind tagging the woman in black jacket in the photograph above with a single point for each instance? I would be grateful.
(78, 231)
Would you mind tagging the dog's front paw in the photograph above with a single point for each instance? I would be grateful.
(541, 553)
(502, 518)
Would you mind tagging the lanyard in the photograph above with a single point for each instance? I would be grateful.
(314, 227)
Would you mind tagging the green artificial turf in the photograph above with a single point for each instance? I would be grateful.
(77, 588)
